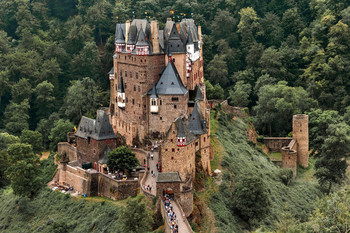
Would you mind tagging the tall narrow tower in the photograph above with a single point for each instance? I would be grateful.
(301, 135)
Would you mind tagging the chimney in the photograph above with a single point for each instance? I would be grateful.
(127, 28)
(178, 29)
(155, 37)
(200, 33)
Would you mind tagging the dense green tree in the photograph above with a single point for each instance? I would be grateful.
(332, 213)
(331, 165)
(16, 117)
(44, 99)
(218, 71)
(319, 122)
(21, 90)
(122, 158)
(4, 164)
(250, 199)
(44, 127)
(273, 31)
(6, 139)
(249, 26)
(33, 138)
(262, 81)
(276, 106)
(59, 132)
(80, 99)
(23, 170)
(136, 218)
(239, 96)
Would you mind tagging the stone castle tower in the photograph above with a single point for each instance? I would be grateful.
(154, 76)
(301, 136)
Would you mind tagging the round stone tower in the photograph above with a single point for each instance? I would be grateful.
(301, 136)
(289, 159)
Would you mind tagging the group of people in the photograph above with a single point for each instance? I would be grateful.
(174, 228)
(147, 188)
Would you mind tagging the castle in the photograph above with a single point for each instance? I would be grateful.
(157, 93)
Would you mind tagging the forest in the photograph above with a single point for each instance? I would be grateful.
(272, 58)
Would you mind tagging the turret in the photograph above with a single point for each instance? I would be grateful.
(301, 135)
(142, 47)
(130, 44)
(121, 94)
(119, 39)
(111, 74)
(154, 100)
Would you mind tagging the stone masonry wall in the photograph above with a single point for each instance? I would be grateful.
(276, 143)
(175, 158)
(186, 201)
(68, 149)
(91, 151)
(168, 111)
(116, 190)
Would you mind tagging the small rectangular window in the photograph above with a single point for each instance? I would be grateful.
(133, 101)
(173, 149)
(174, 105)
(137, 75)
(126, 74)
(130, 75)
(174, 99)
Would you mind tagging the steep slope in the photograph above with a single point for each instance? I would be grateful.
(241, 157)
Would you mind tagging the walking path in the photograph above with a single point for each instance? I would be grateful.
(151, 180)
(179, 218)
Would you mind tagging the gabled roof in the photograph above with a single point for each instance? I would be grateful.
(111, 71)
(170, 82)
(99, 129)
(119, 34)
(132, 35)
(164, 177)
(197, 122)
(121, 85)
(175, 44)
(183, 131)
(104, 158)
(141, 40)
(153, 91)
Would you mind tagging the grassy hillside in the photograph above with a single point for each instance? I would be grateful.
(241, 157)
(56, 212)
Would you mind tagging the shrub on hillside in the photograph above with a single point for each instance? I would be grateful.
(250, 199)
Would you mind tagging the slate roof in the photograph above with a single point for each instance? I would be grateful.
(99, 129)
(111, 71)
(104, 158)
(197, 122)
(168, 177)
(121, 85)
(183, 131)
(153, 91)
(141, 40)
(120, 34)
(170, 82)
(132, 37)
(175, 44)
